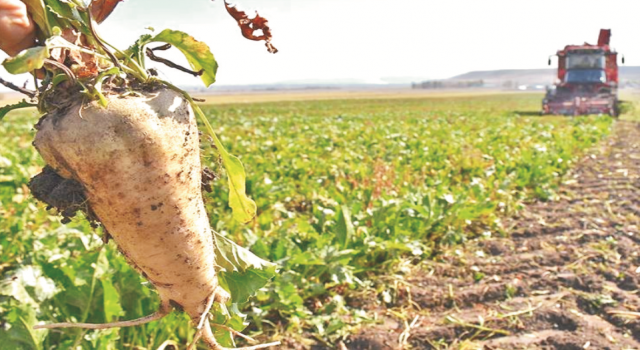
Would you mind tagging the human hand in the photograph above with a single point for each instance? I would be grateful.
(17, 31)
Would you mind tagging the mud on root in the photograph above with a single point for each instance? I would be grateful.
(65, 195)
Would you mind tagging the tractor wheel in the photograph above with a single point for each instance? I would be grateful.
(614, 111)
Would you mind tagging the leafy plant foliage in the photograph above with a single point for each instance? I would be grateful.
(345, 189)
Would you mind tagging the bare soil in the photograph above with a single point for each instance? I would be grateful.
(567, 277)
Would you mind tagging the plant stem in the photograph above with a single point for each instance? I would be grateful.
(142, 320)
(153, 57)
(21, 90)
(100, 41)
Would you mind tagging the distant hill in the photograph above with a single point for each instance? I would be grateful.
(533, 76)
(515, 76)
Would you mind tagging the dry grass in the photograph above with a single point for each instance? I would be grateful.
(310, 95)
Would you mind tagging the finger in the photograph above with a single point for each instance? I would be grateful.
(17, 31)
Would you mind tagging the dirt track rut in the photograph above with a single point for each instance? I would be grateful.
(567, 278)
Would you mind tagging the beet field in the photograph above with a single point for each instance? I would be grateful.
(395, 222)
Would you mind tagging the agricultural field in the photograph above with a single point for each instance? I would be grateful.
(358, 199)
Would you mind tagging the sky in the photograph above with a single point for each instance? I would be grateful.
(374, 40)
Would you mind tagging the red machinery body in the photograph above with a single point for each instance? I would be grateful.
(588, 80)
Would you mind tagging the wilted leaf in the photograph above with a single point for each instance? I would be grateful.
(85, 65)
(250, 26)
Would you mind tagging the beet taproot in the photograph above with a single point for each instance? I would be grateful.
(138, 161)
(122, 146)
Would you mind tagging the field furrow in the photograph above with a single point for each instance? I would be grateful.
(567, 278)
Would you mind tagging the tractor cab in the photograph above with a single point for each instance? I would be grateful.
(585, 66)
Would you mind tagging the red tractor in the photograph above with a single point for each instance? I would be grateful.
(588, 80)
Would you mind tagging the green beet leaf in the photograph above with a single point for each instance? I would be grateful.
(231, 317)
(8, 108)
(344, 227)
(242, 273)
(27, 61)
(36, 9)
(136, 51)
(196, 52)
(110, 300)
(33, 58)
(244, 208)
(67, 11)
(19, 333)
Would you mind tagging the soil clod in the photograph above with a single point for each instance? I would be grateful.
(65, 195)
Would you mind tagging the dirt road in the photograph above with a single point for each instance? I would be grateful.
(567, 278)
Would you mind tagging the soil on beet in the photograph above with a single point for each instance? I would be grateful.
(567, 277)
(65, 195)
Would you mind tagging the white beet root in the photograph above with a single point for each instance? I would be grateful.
(139, 163)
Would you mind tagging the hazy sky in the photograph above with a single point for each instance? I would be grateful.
(373, 39)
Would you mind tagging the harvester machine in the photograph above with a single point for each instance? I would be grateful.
(587, 80)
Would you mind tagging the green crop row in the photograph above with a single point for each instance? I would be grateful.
(345, 189)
